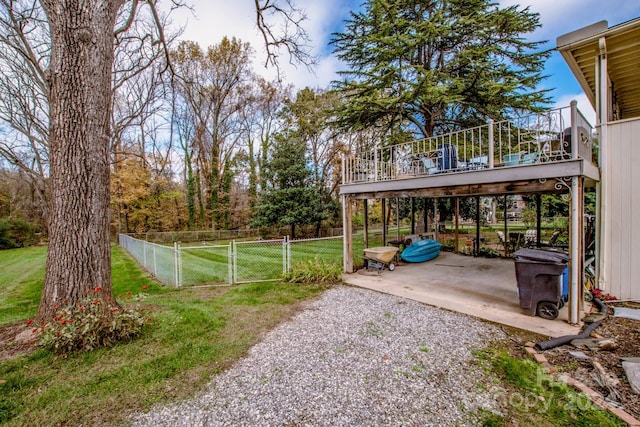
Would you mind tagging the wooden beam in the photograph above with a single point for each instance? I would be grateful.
(502, 188)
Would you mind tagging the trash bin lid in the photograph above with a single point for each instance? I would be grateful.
(540, 255)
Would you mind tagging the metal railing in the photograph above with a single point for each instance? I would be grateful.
(552, 136)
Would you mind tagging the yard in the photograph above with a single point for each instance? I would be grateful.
(193, 334)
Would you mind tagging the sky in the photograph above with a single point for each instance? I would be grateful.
(213, 19)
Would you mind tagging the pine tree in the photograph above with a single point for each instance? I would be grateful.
(437, 66)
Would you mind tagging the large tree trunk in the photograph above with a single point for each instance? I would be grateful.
(79, 77)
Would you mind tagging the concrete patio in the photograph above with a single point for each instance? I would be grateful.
(480, 287)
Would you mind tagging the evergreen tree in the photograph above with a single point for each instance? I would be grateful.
(435, 66)
(290, 196)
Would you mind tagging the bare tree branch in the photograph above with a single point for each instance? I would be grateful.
(127, 23)
(293, 37)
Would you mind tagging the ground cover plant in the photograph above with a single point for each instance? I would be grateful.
(192, 334)
(529, 396)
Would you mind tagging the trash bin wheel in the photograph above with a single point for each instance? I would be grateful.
(392, 266)
(547, 310)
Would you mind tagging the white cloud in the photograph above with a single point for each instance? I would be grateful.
(217, 18)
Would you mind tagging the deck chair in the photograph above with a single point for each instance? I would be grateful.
(530, 237)
(447, 157)
(511, 159)
(554, 238)
(503, 241)
(530, 158)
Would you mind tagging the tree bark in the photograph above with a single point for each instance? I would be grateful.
(79, 78)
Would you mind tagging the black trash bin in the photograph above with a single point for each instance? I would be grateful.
(540, 281)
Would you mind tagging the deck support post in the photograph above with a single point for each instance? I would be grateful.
(476, 245)
(347, 234)
(506, 231)
(538, 218)
(413, 215)
(575, 245)
(384, 222)
(365, 223)
(456, 248)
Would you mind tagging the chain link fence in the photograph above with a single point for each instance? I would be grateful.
(236, 262)
(161, 261)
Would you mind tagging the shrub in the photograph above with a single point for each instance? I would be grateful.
(17, 234)
(87, 326)
(316, 271)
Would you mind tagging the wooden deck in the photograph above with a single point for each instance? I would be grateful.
(534, 154)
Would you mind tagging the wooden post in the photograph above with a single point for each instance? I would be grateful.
(456, 247)
(384, 222)
(425, 215)
(506, 231)
(397, 218)
(365, 225)
(347, 236)
(476, 246)
(538, 219)
(575, 246)
(413, 215)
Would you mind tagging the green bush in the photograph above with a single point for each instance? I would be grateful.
(87, 326)
(316, 271)
(17, 234)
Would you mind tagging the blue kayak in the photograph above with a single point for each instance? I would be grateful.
(421, 251)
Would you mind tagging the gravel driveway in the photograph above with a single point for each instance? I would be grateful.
(353, 357)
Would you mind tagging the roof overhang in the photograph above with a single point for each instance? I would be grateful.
(581, 48)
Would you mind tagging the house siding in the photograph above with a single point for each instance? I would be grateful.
(622, 251)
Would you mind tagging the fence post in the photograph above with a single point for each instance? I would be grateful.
(286, 255)
(234, 252)
(176, 263)
(155, 262)
(491, 147)
(144, 255)
(230, 264)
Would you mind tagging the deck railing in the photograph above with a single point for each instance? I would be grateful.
(551, 136)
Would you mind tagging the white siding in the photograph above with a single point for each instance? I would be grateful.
(622, 226)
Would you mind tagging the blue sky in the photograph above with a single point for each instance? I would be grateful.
(215, 18)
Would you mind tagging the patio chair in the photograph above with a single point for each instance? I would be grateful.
(511, 159)
(552, 239)
(506, 245)
(447, 157)
(530, 158)
(429, 164)
(530, 237)
(477, 163)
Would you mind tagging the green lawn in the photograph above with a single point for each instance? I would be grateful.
(20, 282)
(193, 334)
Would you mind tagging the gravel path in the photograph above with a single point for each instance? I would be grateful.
(354, 357)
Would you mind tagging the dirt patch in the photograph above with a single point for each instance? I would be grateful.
(9, 347)
(612, 383)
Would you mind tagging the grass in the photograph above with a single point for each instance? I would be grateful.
(194, 334)
(529, 396)
(20, 282)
